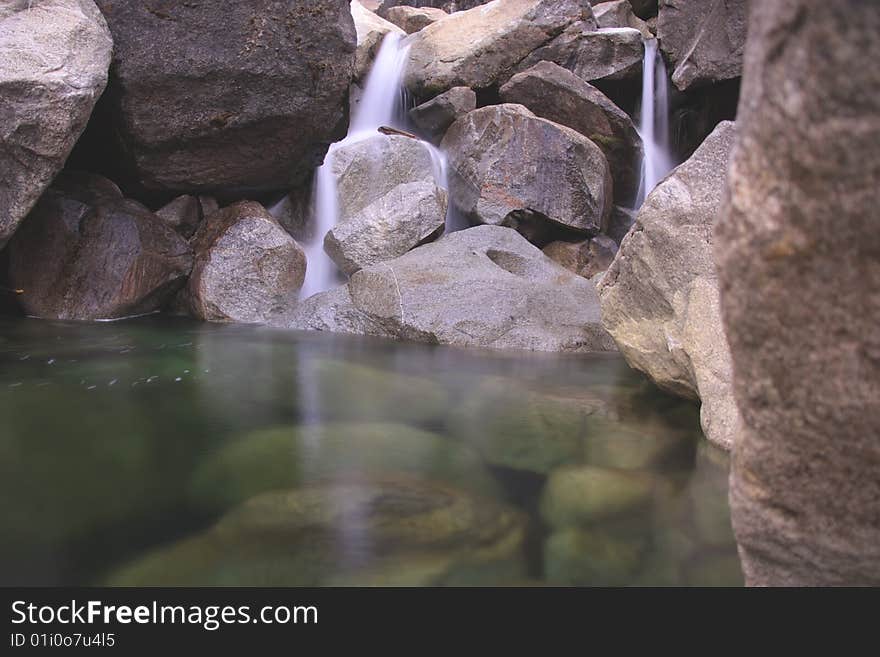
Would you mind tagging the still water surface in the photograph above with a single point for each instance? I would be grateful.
(164, 452)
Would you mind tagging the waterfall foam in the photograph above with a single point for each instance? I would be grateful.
(654, 121)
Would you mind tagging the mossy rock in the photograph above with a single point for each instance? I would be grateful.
(287, 457)
(623, 446)
(578, 557)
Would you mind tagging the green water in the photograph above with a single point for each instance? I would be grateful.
(167, 452)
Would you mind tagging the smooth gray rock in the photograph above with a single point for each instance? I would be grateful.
(476, 48)
(54, 57)
(798, 255)
(226, 95)
(247, 267)
(504, 162)
(586, 258)
(413, 19)
(703, 40)
(86, 253)
(480, 287)
(660, 295)
(371, 30)
(607, 54)
(434, 117)
(559, 95)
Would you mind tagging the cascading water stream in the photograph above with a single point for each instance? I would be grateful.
(654, 121)
(382, 104)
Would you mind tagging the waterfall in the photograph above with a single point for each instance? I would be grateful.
(654, 121)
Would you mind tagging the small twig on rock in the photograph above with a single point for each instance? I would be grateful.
(386, 130)
(10, 290)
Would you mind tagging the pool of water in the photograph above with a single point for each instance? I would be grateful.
(165, 452)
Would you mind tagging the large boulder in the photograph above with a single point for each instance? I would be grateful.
(389, 201)
(413, 19)
(247, 267)
(85, 252)
(798, 256)
(660, 295)
(704, 44)
(610, 54)
(478, 47)
(54, 57)
(251, 93)
(506, 163)
(371, 30)
(559, 95)
(481, 287)
(434, 117)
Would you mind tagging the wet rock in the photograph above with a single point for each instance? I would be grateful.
(798, 257)
(703, 43)
(247, 268)
(721, 569)
(504, 161)
(619, 223)
(251, 93)
(371, 30)
(586, 258)
(54, 57)
(484, 286)
(584, 494)
(578, 557)
(390, 201)
(434, 117)
(291, 456)
(413, 19)
(660, 295)
(478, 47)
(85, 252)
(619, 13)
(558, 95)
(606, 54)
(632, 446)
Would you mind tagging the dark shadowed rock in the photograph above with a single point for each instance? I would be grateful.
(798, 256)
(479, 47)
(54, 56)
(557, 94)
(703, 39)
(413, 19)
(434, 117)
(505, 162)
(586, 258)
(183, 214)
(607, 54)
(229, 95)
(619, 223)
(85, 252)
(660, 295)
(247, 267)
(481, 287)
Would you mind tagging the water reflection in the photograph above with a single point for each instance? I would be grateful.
(165, 452)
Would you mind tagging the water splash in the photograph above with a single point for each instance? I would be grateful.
(654, 121)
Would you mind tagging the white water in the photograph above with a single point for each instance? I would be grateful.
(382, 104)
(654, 121)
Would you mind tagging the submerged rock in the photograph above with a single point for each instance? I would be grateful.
(798, 256)
(485, 286)
(434, 117)
(371, 30)
(478, 47)
(250, 93)
(504, 162)
(579, 557)
(389, 201)
(557, 94)
(660, 295)
(85, 252)
(54, 57)
(247, 267)
(396, 530)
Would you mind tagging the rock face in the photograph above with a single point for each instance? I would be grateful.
(660, 295)
(606, 54)
(371, 30)
(251, 93)
(481, 287)
(799, 262)
(506, 163)
(54, 56)
(434, 117)
(703, 44)
(247, 267)
(389, 201)
(85, 252)
(478, 47)
(557, 94)
(587, 258)
(619, 13)
(413, 19)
